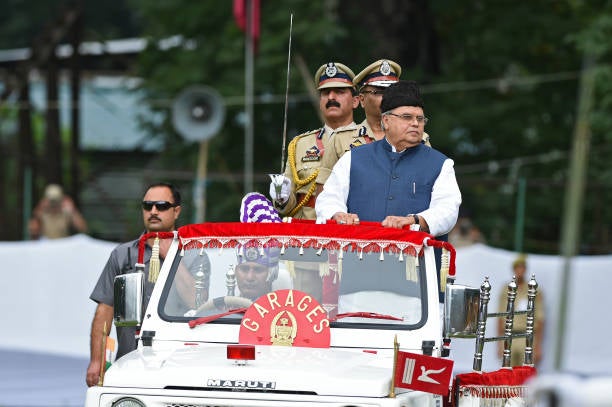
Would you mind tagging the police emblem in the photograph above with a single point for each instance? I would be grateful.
(331, 69)
(283, 329)
(385, 68)
(312, 154)
(251, 254)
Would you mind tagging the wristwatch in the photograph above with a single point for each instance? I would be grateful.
(416, 225)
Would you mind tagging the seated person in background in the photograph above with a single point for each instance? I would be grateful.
(255, 272)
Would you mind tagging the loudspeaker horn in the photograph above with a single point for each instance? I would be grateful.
(198, 112)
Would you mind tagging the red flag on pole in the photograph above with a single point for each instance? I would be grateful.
(241, 14)
(424, 373)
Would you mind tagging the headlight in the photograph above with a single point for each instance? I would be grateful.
(128, 402)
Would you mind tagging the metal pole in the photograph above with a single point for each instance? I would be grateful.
(199, 189)
(248, 100)
(27, 201)
(574, 193)
(76, 33)
(519, 230)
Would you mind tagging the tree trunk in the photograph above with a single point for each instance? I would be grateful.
(52, 159)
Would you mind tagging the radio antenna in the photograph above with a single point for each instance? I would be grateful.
(282, 171)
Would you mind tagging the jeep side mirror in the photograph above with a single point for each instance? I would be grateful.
(128, 292)
(461, 311)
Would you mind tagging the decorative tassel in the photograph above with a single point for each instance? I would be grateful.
(301, 250)
(382, 255)
(361, 254)
(411, 268)
(444, 267)
(323, 270)
(183, 251)
(291, 269)
(154, 263)
(282, 251)
(320, 251)
(401, 256)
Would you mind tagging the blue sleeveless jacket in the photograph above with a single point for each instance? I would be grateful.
(386, 183)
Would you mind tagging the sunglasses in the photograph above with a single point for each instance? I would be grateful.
(160, 205)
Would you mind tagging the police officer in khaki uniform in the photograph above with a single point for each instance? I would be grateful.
(294, 193)
(371, 82)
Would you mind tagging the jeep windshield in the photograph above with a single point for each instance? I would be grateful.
(365, 275)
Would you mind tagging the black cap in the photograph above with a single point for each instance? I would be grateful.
(402, 93)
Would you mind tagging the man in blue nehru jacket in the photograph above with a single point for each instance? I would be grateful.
(398, 180)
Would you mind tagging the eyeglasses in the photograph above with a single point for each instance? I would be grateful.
(409, 117)
(160, 205)
(373, 92)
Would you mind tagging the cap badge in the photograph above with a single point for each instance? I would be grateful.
(331, 69)
(385, 68)
(251, 254)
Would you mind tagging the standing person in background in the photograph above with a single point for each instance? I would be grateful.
(161, 207)
(519, 268)
(304, 174)
(56, 216)
(465, 233)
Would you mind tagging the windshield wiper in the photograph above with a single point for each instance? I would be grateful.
(370, 315)
(203, 320)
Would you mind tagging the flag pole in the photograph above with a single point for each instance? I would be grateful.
(248, 99)
(103, 357)
(395, 350)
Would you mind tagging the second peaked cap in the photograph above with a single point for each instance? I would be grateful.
(334, 75)
(383, 73)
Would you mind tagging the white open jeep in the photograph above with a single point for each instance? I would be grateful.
(340, 303)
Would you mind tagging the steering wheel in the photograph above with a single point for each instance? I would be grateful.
(224, 303)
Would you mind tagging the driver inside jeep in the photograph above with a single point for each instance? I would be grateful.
(256, 271)
(225, 283)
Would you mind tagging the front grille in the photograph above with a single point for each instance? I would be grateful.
(304, 393)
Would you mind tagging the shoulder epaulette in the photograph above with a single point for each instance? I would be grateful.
(310, 132)
(347, 129)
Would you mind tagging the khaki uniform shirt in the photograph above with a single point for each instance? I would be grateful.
(344, 141)
(310, 150)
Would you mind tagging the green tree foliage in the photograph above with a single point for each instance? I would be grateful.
(504, 108)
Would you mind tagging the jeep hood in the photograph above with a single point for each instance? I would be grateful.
(321, 371)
